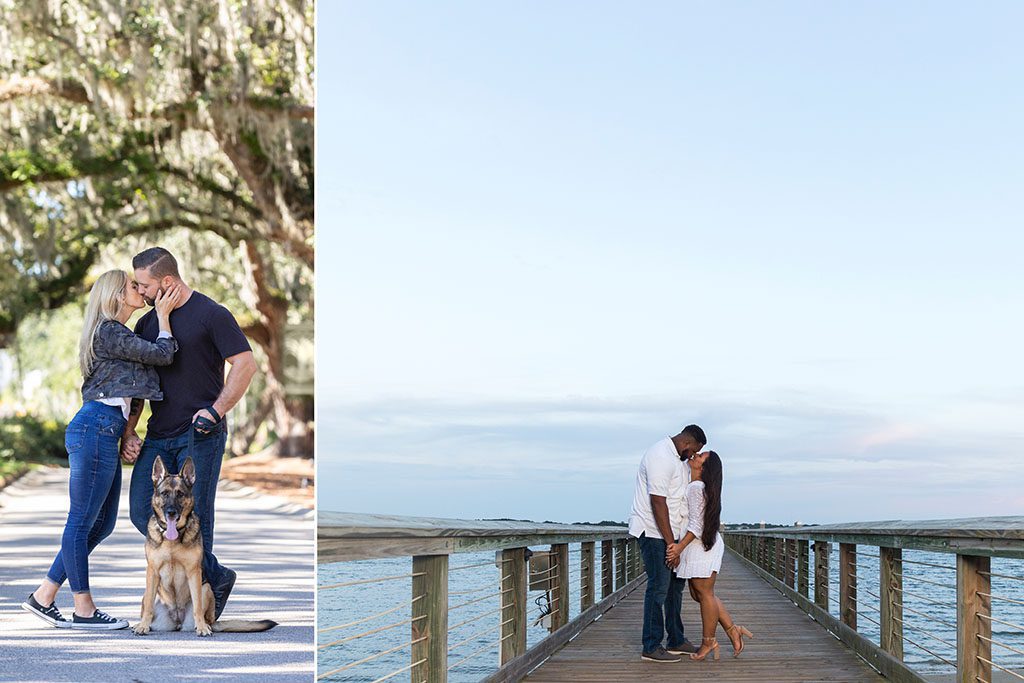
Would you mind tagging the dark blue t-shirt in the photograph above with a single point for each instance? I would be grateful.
(207, 334)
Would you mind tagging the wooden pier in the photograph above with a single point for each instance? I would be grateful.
(788, 646)
(810, 623)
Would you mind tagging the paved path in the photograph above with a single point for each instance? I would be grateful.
(269, 542)
(788, 645)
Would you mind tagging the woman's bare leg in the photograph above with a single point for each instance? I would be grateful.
(708, 605)
(725, 619)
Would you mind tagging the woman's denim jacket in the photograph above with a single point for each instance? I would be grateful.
(124, 364)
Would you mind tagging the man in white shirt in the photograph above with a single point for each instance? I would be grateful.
(657, 518)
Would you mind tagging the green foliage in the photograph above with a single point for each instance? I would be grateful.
(25, 438)
(147, 101)
(124, 125)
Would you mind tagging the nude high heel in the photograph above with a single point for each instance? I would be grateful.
(742, 632)
(711, 644)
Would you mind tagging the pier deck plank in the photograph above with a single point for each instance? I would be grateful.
(788, 645)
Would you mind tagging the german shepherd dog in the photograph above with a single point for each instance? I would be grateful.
(176, 599)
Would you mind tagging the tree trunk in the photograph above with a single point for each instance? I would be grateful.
(292, 415)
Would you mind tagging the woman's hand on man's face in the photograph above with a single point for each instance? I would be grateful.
(167, 300)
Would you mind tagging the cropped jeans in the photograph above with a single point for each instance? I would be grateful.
(207, 456)
(91, 440)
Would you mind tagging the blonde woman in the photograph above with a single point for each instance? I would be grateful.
(117, 366)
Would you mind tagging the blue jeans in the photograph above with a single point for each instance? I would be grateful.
(207, 456)
(91, 440)
(663, 600)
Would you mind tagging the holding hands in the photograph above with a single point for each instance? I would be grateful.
(672, 554)
(131, 446)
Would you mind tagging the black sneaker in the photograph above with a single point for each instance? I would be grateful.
(51, 615)
(98, 621)
(659, 655)
(222, 590)
(687, 648)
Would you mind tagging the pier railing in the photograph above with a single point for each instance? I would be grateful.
(882, 590)
(603, 561)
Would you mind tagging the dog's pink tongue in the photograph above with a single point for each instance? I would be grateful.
(172, 529)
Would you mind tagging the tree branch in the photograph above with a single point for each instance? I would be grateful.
(34, 86)
(211, 185)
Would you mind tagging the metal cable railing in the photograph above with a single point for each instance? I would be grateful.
(920, 597)
(402, 670)
(1001, 668)
(999, 597)
(475, 653)
(989, 617)
(562, 584)
(371, 658)
(476, 635)
(378, 615)
(476, 618)
(373, 631)
(866, 590)
(365, 581)
(473, 602)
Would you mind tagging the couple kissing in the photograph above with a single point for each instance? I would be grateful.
(676, 516)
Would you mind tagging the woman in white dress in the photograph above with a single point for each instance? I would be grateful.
(700, 553)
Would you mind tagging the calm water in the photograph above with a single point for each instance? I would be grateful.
(474, 646)
(929, 624)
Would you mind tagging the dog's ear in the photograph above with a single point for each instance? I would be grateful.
(188, 471)
(159, 472)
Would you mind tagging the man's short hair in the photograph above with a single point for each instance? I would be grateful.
(158, 260)
(695, 433)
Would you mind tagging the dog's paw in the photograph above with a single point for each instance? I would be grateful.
(203, 630)
(140, 629)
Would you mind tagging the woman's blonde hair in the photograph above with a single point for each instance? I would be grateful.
(105, 299)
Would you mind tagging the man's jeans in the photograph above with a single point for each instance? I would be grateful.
(663, 599)
(95, 488)
(207, 456)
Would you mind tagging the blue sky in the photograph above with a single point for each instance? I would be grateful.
(550, 233)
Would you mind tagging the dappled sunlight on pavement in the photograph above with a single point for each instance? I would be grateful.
(269, 542)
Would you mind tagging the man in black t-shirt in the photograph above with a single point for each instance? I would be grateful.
(197, 397)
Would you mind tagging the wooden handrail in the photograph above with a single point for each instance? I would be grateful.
(430, 541)
(342, 537)
(972, 541)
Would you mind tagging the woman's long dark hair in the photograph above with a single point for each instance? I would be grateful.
(711, 475)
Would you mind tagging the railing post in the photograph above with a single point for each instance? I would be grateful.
(777, 565)
(821, 553)
(848, 584)
(890, 579)
(560, 592)
(803, 573)
(513, 604)
(607, 569)
(430, 615)
(620, 563)
(586, 575)
(630, 557)
(972, 578)
(790, 562)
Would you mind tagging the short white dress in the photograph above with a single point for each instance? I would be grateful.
(695, 562)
